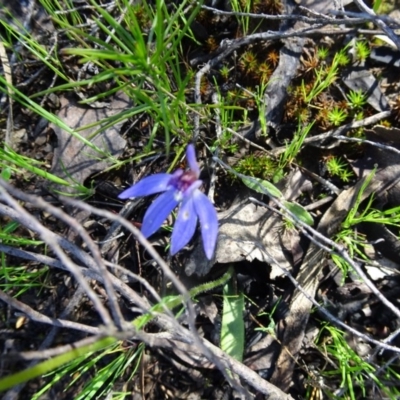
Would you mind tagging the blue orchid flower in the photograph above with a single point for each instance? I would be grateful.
(179, 187)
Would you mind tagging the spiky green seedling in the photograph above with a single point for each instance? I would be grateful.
(356, 99)
(337, 116)
(336, 166)
(322, 53)
(362, 50)
(342, 58)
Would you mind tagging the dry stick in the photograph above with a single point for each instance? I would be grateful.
(169, 275)
(376, 185)
(36, 316)
(218, 133)
(48, 353)
(152, 339)
(322, 19)
(125, 290)
(375, 144)
(80, 230)
(329, 249)
(49, 238)
(77, 252)
(360, 4)
(15, 390)
(227, 48)
(106, 6)
(115, 228)
(248, 375)
(8, 140)
(394, 22)
(339, 131)
(312, 234)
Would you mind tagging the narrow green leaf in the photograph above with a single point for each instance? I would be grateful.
(377, 4)
(300, 212)
(232, 328)
(53, 363)
(6, 174)
(263, 187)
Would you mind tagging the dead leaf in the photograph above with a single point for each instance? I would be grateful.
(73, 160)
(208, 308)
(249, 232)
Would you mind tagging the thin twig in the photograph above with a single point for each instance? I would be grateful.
(322, 309)
(375, 144)
(36, 316)
(57, 212)
(169, 275)
(218, 133)
(80, 230)
(339, 131)
(361, 5)
(49, 238)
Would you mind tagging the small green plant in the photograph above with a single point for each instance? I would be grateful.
(273, 57)
(295, 145)
(265, 187)
(322, 53)
(264, 72)
(271, 327)
(353, 371)
(19, 164)
(342, 58)
(248, 62)
(337, 116)
(225, 71)
(325, 75)
(231, 116)
(356, 99)
(377, 5)
(73, 358)
(242, 7)
(17, 279)
(353, 240)
(261, 166)
(336, 166)
(121, 359)
(261, 106)
(362, 50)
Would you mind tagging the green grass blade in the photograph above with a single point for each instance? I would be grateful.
(50, 365)
(232, 328)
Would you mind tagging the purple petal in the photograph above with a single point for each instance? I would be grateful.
(208, 221)
(191, 159)
(150, 185)
(194, 186)
(158, 212)
(184, 227)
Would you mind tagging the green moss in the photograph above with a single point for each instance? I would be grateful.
(260, 166)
